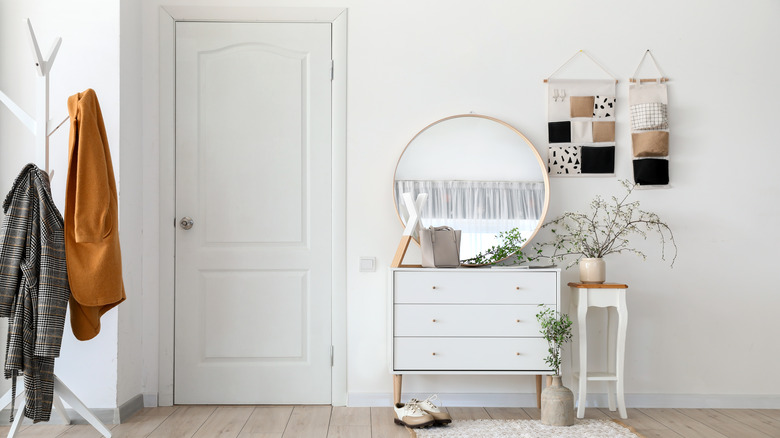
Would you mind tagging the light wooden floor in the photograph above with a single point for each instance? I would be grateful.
(341, 422)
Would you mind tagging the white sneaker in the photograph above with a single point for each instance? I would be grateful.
(431, 409)
(410, 415)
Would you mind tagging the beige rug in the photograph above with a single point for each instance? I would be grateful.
(526, 429)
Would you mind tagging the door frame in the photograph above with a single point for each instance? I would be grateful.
(169, 15)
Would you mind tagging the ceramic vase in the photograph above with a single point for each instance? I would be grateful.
(557, 404)
(593, 270)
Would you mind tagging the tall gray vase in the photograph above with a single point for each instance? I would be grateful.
(557, 404)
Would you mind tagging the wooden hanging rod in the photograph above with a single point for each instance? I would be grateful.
(616, 81)
(632, 80)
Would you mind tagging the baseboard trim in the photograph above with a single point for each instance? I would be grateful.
(150, 400)
(106, 415)
(130, 408)
(700, 401)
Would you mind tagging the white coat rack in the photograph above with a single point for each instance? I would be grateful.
(42, 127)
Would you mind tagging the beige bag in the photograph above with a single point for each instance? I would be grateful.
(440, 247)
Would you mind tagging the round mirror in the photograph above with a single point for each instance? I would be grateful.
(482, 177)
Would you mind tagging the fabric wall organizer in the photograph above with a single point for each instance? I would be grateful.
(648, 102)
(581, 124)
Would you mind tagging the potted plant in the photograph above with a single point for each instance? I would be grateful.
(606, 229)
(510, 244)
(557, 400)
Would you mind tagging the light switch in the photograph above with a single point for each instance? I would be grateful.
(367, 264)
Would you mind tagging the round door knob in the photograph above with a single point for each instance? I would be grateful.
(517, 320)
(186, 223)
(517, 287)
(433, 320)
(433, 354)
(433, 287)
(517, 354)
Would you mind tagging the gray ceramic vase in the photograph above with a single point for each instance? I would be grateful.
(557, 404)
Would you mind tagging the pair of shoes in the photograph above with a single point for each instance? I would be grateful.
(431, 409)
(418, 413)
(410, 415)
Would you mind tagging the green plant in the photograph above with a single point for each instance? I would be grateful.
(556, 328)
(603, 231)
(510, 243)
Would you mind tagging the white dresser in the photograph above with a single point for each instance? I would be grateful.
(468, 321)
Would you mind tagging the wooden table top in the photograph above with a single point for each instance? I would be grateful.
(598, 285)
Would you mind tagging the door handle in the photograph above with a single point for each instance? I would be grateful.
(186, 223)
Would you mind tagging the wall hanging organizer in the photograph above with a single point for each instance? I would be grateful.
(648, 102)
(43, 128)
(581, 124)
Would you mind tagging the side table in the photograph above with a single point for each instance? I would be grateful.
(585, 295)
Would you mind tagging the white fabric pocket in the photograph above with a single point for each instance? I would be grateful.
(646, 116)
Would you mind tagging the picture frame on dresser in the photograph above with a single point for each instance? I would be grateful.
(468, 321)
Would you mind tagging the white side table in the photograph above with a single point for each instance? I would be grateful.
(601, 295)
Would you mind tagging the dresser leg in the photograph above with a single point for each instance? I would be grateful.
(397, 388)
(539, 391)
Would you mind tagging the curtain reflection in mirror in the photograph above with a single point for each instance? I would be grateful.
(479, 208)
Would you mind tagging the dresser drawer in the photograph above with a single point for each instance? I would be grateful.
(470, 354)
(505, 320)
(475, 287)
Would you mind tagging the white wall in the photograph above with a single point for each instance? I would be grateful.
(88, 58)
(699, 328)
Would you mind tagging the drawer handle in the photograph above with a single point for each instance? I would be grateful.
(433, 320)
(517, 287)
(517, 320)
(433, 354)
(517, 354)
(433, 287)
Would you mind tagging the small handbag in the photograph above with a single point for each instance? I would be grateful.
(440, 247)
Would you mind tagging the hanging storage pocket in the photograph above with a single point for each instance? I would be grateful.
(646, 116)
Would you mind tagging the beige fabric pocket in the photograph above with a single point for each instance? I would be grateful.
(581, 106)
(650, 144)
(603, 131)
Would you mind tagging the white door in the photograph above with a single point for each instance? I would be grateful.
(253, 172)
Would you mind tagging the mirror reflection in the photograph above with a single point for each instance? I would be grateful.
(482, 176)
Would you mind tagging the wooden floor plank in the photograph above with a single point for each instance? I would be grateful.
(143, 422)
(43, 430)
(533, 413)
(642, 423)
(774, 413)
(84, 431)
(682, 424)
(183, 422)
(723, 423)
(308, 422)
(225, 422)
(755, 419)
(507, 414)
(267, 422)
(350, 422)
(468, 413)
(382, 425)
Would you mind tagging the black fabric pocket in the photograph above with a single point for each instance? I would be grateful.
(598, 159)
(559, 132)
(651, 171)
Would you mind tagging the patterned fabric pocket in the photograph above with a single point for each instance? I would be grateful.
(563, 160)
(646, 116)
(604, 107)
(650, 144)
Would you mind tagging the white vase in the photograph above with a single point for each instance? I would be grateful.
(593, 270)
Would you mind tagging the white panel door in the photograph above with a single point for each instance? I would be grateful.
(253, 172)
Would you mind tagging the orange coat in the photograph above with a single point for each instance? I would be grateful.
(91, 219)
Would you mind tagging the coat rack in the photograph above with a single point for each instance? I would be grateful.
(42, 127)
